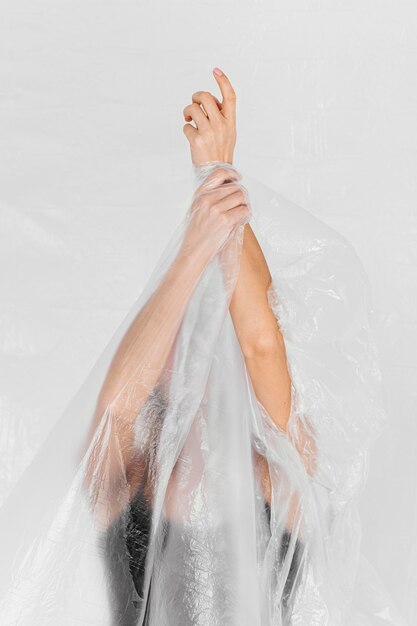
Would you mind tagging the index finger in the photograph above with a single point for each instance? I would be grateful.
(218, 177)
(228, 93)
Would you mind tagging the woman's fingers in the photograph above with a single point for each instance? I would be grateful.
(219, 104)
(208, 102)
(226, 200)
(194, 112)
(215, 123)
(190, 132)
(220, 204)
(211, 198)
(228, 93)
(219, 176)
(212, 108)
(230, 201)
(239, 214)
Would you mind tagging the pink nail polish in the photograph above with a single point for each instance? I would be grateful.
(218, 71)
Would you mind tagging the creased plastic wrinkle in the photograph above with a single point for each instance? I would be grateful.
(165, 495)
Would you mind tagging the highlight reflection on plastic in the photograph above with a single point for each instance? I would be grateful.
(147, 504)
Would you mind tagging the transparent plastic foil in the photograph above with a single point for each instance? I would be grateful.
(170, 497)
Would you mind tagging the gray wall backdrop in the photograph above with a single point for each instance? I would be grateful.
(91, 99)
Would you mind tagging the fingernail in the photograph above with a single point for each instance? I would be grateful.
(218, 71)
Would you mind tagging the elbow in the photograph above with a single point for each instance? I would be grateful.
(262, 343)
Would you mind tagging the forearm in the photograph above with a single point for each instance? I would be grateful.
(264, 351)
(140, 357)
(145, 347)
(258, 333)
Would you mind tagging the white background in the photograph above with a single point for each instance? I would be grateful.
(94, 170)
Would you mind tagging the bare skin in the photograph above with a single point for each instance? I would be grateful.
(214, 138)
(147, 343)
(256, 327)
(140, 358)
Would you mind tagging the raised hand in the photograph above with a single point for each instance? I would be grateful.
(213, 138)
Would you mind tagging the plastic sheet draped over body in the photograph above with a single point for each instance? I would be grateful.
(192, 507)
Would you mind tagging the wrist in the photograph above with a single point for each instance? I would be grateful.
(203, 169)
(219, 161)
(193, 258)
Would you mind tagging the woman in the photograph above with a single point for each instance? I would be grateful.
(208, 470)
(220, 205)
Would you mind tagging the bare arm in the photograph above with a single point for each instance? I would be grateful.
(264, 351)
(143, 352)
(256, 327)
(132, 374)
(258, 333)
